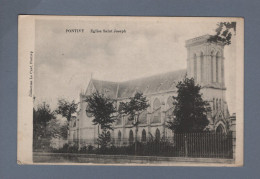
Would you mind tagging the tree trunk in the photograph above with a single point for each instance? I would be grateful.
(136, 129)
(98, 136)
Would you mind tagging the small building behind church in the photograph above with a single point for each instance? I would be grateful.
(205, 63)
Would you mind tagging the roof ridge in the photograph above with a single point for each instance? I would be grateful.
(104, 81)
(154, 75)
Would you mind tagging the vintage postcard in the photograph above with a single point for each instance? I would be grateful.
(153, 91)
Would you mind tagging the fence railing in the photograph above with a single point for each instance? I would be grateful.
(210, 145)
(199, 145)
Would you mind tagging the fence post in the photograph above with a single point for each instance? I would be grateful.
(186, 145)
(233, 130)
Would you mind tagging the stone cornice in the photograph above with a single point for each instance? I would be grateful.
(214, 87)
(200, 40)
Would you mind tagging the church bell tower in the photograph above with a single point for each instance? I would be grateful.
(205, 63)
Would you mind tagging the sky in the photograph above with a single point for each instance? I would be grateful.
(64, 61)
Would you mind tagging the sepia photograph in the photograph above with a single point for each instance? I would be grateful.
(141, 91)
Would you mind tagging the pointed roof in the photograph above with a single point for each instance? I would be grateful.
(106, 87)
(148, 85)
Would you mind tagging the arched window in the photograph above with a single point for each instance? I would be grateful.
(217, 66)
(220, 105)
(131, 137)
(195, 67)
(143, 136)
(119, 135)
(201, 66)
(213, 104)
(216, 104)
(156, 111)
(220, 129)
(157, 135)
(222, 70)
(143, 117)
(156, 104)
(211, 66)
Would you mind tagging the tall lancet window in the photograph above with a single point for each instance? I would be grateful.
(222, 70)
(201, 66)
(216, 104)
(211, 66)
(195, 67)
(217, 66)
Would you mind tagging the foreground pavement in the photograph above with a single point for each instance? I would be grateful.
(70, 158)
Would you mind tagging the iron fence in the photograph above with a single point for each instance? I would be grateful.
(204, 145)
(197, 145)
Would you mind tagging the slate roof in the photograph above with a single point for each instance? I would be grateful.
(108, 87)
(149, 85)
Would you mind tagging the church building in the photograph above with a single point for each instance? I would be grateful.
(205, 63)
